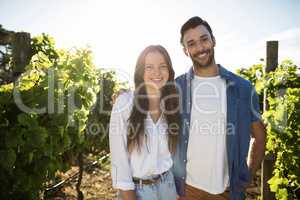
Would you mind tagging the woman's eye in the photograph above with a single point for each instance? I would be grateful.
(164, 67)
(148, 67)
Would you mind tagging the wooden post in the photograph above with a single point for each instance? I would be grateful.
(272, 56)
(21, 52)
(20, 45)
(269, 161)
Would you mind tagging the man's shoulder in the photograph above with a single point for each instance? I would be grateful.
(181, 77)
(239, 81)
(244, 86)
(181, 80)
(242, 82)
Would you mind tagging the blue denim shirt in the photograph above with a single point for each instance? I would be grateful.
(242, 110)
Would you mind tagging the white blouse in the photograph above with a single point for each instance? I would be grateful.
(153, 158)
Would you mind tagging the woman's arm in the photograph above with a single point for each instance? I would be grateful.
(120, 162)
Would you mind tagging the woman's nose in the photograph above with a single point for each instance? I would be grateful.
(156, 72)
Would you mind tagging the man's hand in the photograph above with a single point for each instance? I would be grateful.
(116, 94)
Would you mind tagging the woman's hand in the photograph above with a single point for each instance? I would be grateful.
(128, 194)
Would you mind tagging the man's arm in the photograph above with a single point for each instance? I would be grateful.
(257, 149)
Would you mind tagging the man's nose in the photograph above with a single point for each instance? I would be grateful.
(199, 46)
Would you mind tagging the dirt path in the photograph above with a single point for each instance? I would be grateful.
(96, 184)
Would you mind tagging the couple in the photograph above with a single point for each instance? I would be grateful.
(187, 138)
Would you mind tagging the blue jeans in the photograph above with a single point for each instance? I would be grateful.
(162, 190)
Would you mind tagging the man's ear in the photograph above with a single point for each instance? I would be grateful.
(186, 52)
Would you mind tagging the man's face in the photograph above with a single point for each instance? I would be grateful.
(199, 46)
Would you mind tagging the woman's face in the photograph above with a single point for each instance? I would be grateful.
(156, 72)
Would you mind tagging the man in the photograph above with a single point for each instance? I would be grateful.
(219, 115)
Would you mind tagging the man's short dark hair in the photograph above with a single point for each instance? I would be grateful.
(193, 23)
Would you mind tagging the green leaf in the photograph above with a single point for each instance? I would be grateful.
(7, 159)
(27, 120)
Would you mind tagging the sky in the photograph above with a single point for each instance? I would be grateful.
(118, 30)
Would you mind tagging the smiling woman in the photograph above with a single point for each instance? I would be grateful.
(156, 72)
(142, 133)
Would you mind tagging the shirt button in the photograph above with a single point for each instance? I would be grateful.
(184, 160)
(185, 141)
(182, 177)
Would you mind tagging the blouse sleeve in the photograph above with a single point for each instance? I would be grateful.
(120, 163)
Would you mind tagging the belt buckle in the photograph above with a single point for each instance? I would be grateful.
(155, 180)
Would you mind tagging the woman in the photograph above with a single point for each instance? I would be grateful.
(144, 130)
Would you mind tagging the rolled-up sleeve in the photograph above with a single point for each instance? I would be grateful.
(120, 163)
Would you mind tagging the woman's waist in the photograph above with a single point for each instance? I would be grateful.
(148, 170)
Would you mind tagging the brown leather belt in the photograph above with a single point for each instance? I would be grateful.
(149, 181)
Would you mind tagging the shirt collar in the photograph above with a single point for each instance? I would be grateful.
(224, 73)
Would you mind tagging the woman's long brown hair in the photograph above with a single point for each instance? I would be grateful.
(169, 102)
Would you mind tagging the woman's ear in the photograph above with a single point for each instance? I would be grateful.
(214, 41)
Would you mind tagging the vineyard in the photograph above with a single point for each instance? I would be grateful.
(54, 114)
(282, 90)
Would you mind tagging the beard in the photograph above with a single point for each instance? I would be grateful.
(210, 60)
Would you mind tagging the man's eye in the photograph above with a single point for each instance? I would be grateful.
(148, 67)
(191, 44)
